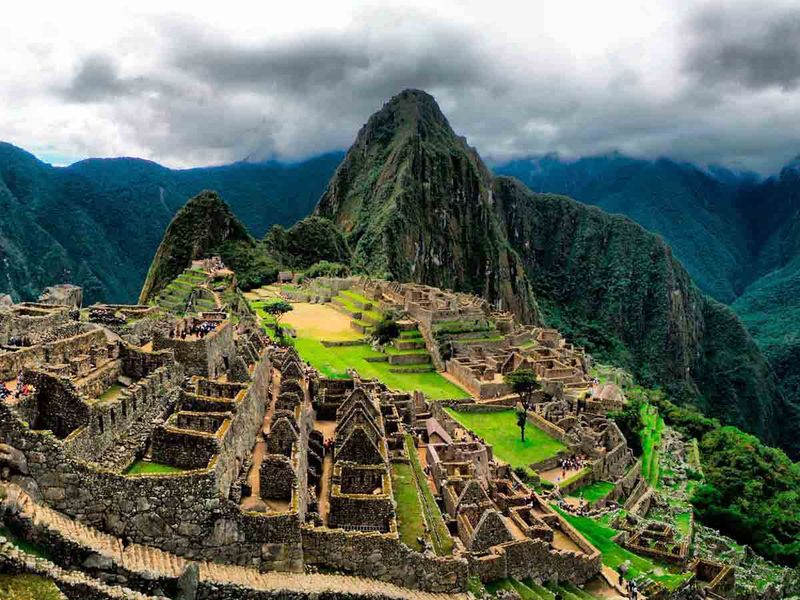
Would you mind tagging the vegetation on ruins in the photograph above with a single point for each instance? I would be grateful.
(749, 490)
(28, 587)
(385, 331)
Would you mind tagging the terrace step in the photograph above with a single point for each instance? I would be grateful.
(409, 359)
(401, 344)
(413, 369)
(540, 590)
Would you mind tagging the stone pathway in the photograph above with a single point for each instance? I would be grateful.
(143, 559)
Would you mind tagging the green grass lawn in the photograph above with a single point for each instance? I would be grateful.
(599, 535)
(500, 430)
(683, 522)
(28, 587)
(334, 362)
(594, 491)
(410, 520)
(146, 467)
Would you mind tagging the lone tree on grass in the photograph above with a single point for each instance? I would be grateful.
(524, 383)
(277, 310)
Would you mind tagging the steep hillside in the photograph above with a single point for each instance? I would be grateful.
(415, 204)
(617, 288)
(694, 211)
(98, 222)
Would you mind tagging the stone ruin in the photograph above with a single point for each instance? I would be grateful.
(211, 462)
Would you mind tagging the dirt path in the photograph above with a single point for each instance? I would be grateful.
(552, 474)
(260, 448)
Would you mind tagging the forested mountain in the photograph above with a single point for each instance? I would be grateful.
(97, 223)
(415, 202)
(738, 237)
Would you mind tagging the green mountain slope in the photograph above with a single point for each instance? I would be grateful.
(616, 288)
(695, 212)
(415, 204)
(98, 222)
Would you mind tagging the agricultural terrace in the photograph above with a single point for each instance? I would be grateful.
(313, 324)
(594, 492)
(500, 430)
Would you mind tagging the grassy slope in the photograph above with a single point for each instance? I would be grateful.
(500, 430)
(600, 536)
(410, 522)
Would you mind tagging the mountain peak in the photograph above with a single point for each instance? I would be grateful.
(197, 231)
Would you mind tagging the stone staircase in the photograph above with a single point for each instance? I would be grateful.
(140, 559)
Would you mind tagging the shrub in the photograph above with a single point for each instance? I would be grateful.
(386, 331)
(328, 269)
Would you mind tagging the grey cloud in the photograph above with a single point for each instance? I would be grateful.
(96, 79)
(209, 98)
(746, 44)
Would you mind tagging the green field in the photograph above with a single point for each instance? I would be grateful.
(594, 491)
(500, 430)
(334, 362)
(410, 523)
(146, 467)
(440, 536)
(600, 536)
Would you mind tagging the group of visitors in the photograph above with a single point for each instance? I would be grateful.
(199, 328)
(630, 585)
(572, 463)
(22, 389)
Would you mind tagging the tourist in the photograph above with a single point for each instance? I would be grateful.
(622, 570)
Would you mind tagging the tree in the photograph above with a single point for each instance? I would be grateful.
(524, 383)
(386, 331)
(522, 419)
(277, 309)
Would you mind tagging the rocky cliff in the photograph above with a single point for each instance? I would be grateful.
(617, 288)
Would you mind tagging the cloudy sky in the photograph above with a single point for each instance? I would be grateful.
(194, 83)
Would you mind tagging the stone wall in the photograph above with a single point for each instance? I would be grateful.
(205, 356)
(82, 338)
(382, 556)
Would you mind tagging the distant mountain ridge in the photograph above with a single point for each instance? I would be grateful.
(97, 223)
